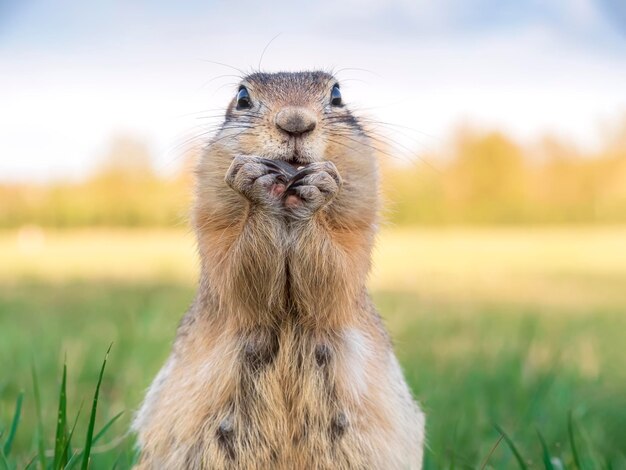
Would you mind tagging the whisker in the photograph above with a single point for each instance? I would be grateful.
(198, 137)
(341, 143)
(265, 49)
(238, 77)
(241, 72)
(394, 125)
(213, 142)
(371, 124)
(376, 149)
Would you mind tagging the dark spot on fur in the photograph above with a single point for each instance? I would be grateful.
(322, 355)
(225, 436)
(260, 349)
(302, 430)
(338, 425)
(226, 427)
(347, 120)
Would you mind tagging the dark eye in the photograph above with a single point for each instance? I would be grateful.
(243, 98)
(335, 96)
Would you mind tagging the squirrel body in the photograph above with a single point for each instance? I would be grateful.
(282, 360)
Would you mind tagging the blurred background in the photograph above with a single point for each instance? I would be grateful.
(501, 265)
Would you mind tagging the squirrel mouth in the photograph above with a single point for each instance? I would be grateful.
(289, 167)
(294, 162)
(292, 157)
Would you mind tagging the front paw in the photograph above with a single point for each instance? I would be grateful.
(258, 182)
(312, 189)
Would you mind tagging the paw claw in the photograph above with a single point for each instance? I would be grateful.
(312, 188)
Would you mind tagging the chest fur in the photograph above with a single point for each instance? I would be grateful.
(265, 398)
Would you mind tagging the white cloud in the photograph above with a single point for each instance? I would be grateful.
(60, 107)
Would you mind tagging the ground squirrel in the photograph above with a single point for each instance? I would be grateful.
(282, 361)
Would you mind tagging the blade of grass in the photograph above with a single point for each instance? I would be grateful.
(31, 462)
(68, 444)
(117, 461)
(73, 460)
(511, 444)
(545, 453)
(60, 448)
(92, 418)
(16, 420)
(98, 436)
(586, 441)
(572, 441)
(493, 449)
(106, 427)
(453, 447)
(40, 438)
(4, 464)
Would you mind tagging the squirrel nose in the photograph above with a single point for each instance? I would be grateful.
(295, 120)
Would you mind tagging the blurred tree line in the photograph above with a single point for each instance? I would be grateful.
(125, 190)
(487, 178)
(484, 178)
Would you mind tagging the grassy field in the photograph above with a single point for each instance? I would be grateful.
(511, 327)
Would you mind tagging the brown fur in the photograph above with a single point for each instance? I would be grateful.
(282, 361)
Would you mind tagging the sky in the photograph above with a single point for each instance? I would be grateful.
(75, 74)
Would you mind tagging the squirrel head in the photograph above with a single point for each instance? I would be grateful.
(292, 116)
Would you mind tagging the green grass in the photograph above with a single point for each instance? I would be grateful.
(62, 457)
(492, 377)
